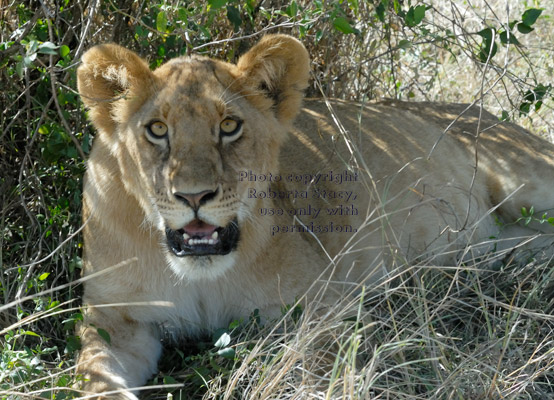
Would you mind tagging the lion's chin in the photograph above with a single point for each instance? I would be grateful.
(201, 239)
(195, 268)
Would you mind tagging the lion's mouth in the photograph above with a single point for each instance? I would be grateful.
(201, 239)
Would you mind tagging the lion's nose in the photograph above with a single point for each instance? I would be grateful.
(195, 200)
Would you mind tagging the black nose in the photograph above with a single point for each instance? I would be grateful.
(195, 200)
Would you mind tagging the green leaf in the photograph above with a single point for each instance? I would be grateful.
(73, 343)
(233, 15)
(32, 47)
(234, 324)
(530, 16)
(524, 108)
(161, 22)
(48, 48)
(104, 335)
(43, 276)
(169, 380)
(73, 318)
(510, 38)
(380, 11)
(52, 305)
(488, 46)
(292, 9)
(354, 6)
(19, 68)
(28, 60)
(183, 15)
(161, 51)
(537, 93)
(414, 16)
(64, 50)
(318, 36)
(341, 24)
(140, 31)
(223, 341)
(404, 44)
(551, 220)
(419, 14)
(524, 28)
(228, 353)
(486, 34)
(31, 333)
(488, 52)
(216, 4)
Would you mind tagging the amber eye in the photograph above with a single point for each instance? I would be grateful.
(230, 127)
(157, 130)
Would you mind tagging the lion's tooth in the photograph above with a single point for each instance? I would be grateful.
(215, 235)
(205, 240)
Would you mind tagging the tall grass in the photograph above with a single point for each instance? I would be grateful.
(430, 333)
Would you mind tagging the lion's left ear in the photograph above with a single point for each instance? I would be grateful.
(279, 66)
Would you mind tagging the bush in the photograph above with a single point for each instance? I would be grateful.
(486, 344)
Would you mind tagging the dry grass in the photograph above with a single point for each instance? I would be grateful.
(431, 334)
(459, 333)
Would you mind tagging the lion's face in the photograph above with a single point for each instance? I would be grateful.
(190, 140)
(183, 134)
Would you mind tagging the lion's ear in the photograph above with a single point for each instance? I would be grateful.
(279, 66)
(108, 73)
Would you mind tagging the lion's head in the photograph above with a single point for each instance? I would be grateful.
(182, 133)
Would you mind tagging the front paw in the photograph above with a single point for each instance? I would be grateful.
(105, 388)
(105, 393)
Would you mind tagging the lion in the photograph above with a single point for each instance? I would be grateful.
(210, 192)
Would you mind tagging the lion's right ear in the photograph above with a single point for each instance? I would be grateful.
(109, 73)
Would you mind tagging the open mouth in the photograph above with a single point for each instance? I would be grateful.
(201, 239)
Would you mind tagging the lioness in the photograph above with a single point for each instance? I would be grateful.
(202, 202)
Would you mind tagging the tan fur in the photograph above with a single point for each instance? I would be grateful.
(421, 195)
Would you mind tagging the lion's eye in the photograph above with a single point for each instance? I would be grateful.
(230, 127)
(157, 130)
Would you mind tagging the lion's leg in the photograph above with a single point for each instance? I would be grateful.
(526, 199)
(521, 177)
(120, 362)
(520, 186)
